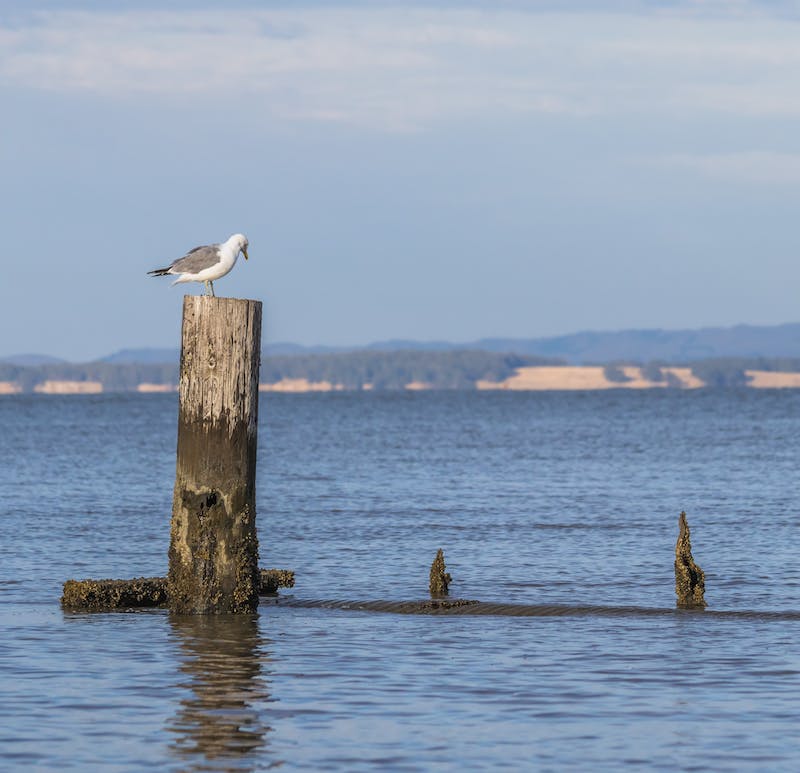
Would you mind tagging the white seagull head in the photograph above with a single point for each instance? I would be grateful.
(240, 243)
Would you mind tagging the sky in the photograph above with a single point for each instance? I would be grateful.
(430, 171)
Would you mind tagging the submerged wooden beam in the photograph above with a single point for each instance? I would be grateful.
(213, 553)
(146, 592)
(98, 595)
(690, 581)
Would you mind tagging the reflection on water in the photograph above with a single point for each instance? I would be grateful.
(221, 724)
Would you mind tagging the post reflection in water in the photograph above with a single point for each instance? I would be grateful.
(222, 722)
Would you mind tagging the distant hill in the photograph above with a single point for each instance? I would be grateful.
(642, 346)
(669, 346)
(142, 356)
(287, 348)
(161, 356)
(30, 360)
(405, 345)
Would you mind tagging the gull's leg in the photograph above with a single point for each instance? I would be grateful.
(211, 285)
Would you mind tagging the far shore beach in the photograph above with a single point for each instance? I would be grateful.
(527, 379)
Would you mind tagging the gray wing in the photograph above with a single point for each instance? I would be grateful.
(196, 260)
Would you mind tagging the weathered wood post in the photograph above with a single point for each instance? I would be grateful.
(213, 552)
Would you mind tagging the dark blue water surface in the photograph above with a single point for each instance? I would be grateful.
(553, 498)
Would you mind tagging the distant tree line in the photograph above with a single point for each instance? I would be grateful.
(730, 371)
(393, 370)
(713, 372)
(385, 370)
(114, 377)
(352, 370)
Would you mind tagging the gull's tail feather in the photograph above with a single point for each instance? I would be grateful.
(159, 271)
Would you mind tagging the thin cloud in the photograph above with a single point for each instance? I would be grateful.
(399, 69)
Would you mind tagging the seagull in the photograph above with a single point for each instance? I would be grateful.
(205, 264)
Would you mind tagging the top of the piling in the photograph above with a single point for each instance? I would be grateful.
(211, 300)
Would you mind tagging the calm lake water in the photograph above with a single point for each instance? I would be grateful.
(535, 498)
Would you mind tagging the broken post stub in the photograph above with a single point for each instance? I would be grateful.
(213, 553)
(690, 581)
(440, 579)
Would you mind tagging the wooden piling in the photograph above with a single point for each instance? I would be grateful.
(213, 553)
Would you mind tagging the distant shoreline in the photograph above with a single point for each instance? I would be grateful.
(542, 378)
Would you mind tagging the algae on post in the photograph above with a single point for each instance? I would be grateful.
(690, 581)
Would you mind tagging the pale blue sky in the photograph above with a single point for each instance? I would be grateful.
(448, 170)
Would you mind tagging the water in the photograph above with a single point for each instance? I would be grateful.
(536, 498)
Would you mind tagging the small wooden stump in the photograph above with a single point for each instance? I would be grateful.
(690, 581)
(213, 553)
(272, 579)
(440, 579)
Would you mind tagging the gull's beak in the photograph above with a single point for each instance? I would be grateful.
(244, 250)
